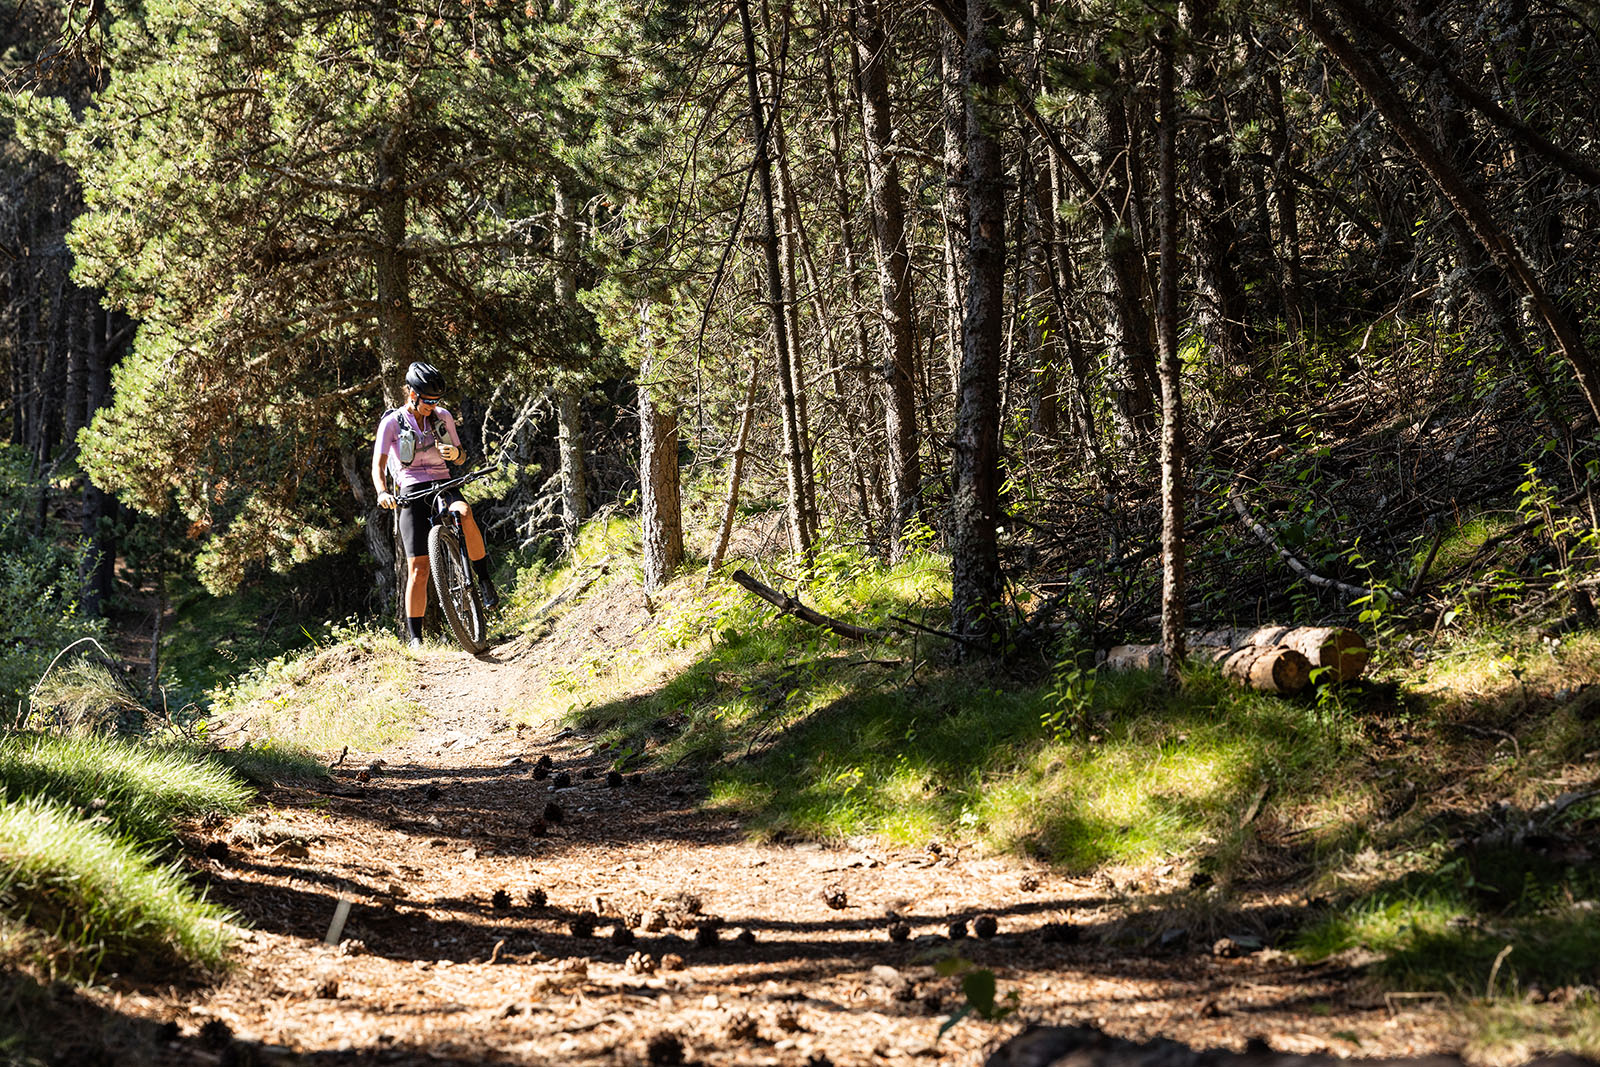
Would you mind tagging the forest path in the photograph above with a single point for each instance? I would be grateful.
(437, 968)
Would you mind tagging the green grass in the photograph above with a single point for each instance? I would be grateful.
(139, 788)
(352, 691)
(806, 733)
(101, 895)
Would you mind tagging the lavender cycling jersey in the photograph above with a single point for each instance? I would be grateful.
(427, 465)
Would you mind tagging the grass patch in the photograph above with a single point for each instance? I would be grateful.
(101, 895)
(352, 691)
(139, 788)
(808, 734)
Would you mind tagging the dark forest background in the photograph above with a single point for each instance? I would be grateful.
(917, 275)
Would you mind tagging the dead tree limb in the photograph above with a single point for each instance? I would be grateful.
(791, 606)
(1264, 535)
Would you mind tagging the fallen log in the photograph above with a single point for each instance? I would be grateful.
(1267, 669)
(1341, 650)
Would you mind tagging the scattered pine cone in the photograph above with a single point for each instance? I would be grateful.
(553, 814)
(621, 935)
(589, 772)
(500, 900)
(614, 779)
(1028, 882)
(541, 770)
(672, 962)
(664, 1050)
(958, 929)
(834, 896)
(985, 926)
(562, 780)
(217, 850)
(707, 934)
(745, 937)
(215, 1035)
(742, 1027)
(433, 792)
(538, 827)
(543, 763)
(537, 898)
(583, 925)
(899, 932)
(1059, 934)
(641, 963)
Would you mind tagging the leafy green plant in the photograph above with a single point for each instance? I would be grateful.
(980, 989)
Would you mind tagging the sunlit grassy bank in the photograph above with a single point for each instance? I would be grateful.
(1380, 800)
(99, 895)
(351, 688)
(140, 789)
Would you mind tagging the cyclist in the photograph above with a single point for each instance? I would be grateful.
(414, 443)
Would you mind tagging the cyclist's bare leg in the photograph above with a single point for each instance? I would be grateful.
(469, 530)
(417, 587)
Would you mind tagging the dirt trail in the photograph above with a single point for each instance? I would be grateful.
(435, 967)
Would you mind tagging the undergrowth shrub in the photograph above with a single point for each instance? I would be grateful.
(40, 581)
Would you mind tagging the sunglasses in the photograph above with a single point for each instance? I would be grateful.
(434, 400)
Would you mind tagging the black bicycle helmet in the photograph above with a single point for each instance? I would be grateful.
(426, 380)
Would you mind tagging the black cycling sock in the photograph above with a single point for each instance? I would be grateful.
(414, 626)
(480, 567)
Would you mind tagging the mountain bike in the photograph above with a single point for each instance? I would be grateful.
(453, 579)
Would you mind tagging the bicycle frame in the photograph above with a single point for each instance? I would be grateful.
(452, 575)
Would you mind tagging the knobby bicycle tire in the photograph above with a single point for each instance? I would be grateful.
(459, 597)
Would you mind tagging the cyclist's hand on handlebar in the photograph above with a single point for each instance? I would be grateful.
(449, 452)
(387, 501)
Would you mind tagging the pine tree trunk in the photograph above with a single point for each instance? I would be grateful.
(954, 113)
(1172, 430)
(976, 608)
(793, 468)
(660, 514)
(1128, 329)
(788, 240)
(856, 443)
(894, 274)
(569, 408)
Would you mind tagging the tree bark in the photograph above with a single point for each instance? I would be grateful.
(569, 408)
(976, 608)
(894, 273)
(1172, 429)
(660, 513)
(775, 295)
(1222, 311)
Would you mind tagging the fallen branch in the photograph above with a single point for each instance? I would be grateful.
(1265, 537)
(791, 606)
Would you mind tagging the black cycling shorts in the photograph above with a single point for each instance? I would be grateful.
(414, 519)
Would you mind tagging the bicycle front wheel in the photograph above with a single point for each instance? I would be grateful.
(459, 597)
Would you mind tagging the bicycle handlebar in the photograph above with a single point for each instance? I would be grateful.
(449, 483)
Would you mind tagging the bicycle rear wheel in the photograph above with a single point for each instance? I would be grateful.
(459, 597)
